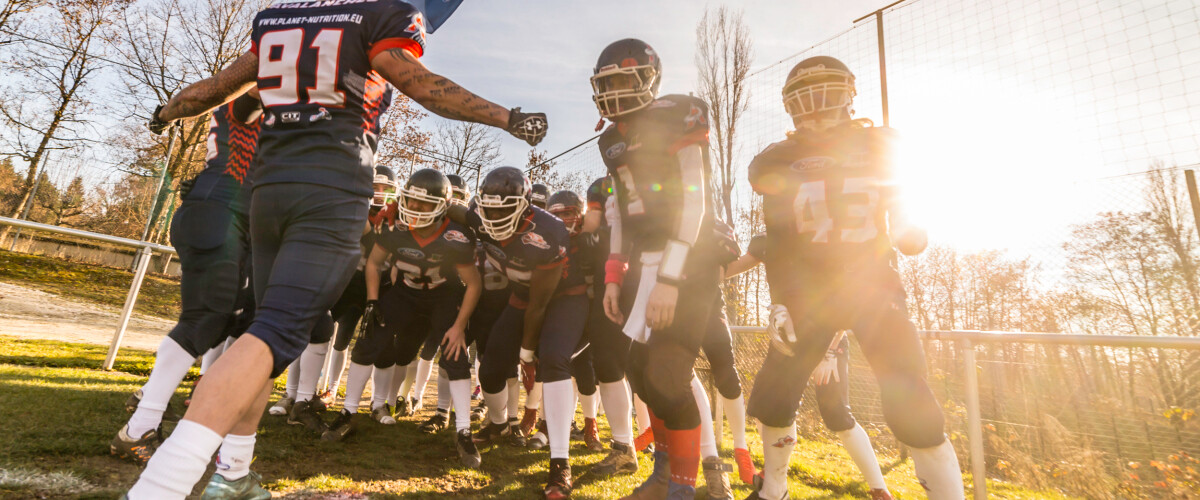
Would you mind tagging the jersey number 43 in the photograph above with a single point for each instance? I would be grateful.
(860, 199)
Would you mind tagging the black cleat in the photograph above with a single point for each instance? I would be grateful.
(305, 413)
(341, 427)
(477, 414)
(136, 450)
(403, 408)
(468, 454)
(134, 400)
(435, 424)
(558, 482)
(576, 432)
(515, 436)
(490, 433)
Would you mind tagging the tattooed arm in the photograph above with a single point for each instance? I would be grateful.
(214, 91)
(435, 92)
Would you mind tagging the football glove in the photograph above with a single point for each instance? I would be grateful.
(158, 125)
(186, 186)
(528, 127)
(781, 329)
(826, 371)
(373, 314)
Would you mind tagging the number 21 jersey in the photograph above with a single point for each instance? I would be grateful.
(315, 81)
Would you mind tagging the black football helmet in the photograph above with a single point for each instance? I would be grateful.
(540, 195)
(504, 197)
(385, 187)
(458, 190)
(626, 77)
(819, 93)
(424, 198)
(570, 207)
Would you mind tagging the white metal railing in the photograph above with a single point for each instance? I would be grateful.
(969, 338)
(142, 258)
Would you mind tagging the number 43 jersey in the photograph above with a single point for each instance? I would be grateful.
(825, 199)
(319, 92)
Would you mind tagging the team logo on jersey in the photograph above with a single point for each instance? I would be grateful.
(615, 150)
(536, 240)
(813, 163)
(662, 103)
(417, 26)
(695, 117)
(494, 252)
(453, 235)
(410, 254)
(289, 117)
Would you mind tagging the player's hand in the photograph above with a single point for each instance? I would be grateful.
(826, 371)
(454, 342)
(528, 369)
(660, 309)
(158, 125)
(528, 127)
(781, 329)
(373, 314)
(612, 303)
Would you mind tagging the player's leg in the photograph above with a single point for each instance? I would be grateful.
(429, 351)
(833, 402)
(610, 348)
(346, 314)
(456, 370)
(233, 477)
(589, 399)
(560, 339)
(503, 352)
(313, 359)
(718, 348)
(305, 242)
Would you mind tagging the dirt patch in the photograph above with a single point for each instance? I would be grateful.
(33, 314)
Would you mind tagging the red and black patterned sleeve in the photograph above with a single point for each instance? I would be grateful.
(397, 26)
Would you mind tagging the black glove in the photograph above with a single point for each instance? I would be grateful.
(157, 125)
(528, 127)
(373, 313)
(186, 186)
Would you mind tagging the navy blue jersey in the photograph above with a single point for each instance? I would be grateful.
(429, 262)
(316, 83)
(825, 200)
(597, 194)
(581, 263)
(640, 155)
(541, 242)
(231, 145)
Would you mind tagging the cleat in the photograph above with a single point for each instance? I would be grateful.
(591, 436)
(880, 494)
(403, 408)
(620, 460)
(644, 441)
(745, 465)
(327, 398)
(489, 433)
(541, 438)
(515, 436)
(468, 454)
(477, 414)
(318, 405)
(415, 405)
(304, 413)
(676, 491)
(558, 481)
(282, 407)
(341, 427)
(477, 394)
(528, 421)
(134, 400)
(576, 432)
(383, 415)
(188, 401)
(136, 450)
(435, 424)
(715, 476)
(655, 486)
(246, 488)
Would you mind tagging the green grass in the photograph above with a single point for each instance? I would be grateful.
(159, 296)
(62, 410)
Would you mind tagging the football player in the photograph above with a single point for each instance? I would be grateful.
(312, 182)
(540, 195)
(833, 223)
(656, 151)
(459, 194)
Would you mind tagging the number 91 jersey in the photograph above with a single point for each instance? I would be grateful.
(317, 85)
(826, 198)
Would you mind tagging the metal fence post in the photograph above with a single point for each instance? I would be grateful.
(974, 423)
(143, 261)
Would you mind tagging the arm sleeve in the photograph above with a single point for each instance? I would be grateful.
(398, 25)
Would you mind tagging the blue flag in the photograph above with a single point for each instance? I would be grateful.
(436, 11)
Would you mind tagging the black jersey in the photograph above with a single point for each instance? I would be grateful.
(231, 146)
(316, 83)
(429, 262)
(582, 258)
(825, 198)
(541, 242)
(640, 155)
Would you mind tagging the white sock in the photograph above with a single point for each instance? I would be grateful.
(356, 383)
(310, 370)
(642, 414)
(615, 396)
(235, 455)
(708, 440)
(410, 376)
(496, 404)
(293, 379)
(534, 398)
(424, 368)
(398, 375)
(778, 443)
(460, 393)
(443, 388)
(589, 402)
(937, 469)
(171, 364)
(560, 411)
(337, 363)
(383, 386)
(210, 357)
(513, 386)
(858, 445)
(735, 413)
(178, 464)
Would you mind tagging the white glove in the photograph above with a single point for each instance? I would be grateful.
(781, 330)
(826, 371)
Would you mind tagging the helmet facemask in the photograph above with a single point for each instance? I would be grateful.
(385, 192)
(819, 97)
(459, 196)
(622, 90)
(501, 214)
(571, 217)
(418, 208)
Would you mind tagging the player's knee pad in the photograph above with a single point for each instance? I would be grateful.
(911, 411)
(344, 332)
(430, 348)
(456, 369)
(493, 378)
(667, 385)
(323, 330)
(835, 414)
(553, 367)
(726, 379)
(221, 282)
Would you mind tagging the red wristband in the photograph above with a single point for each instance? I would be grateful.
(614, 269)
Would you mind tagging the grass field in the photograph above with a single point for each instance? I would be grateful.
(62, 411)
(159, 296)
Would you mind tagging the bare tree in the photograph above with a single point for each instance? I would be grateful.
(403, 145)
(540, 168)
(724, 54)
(466, 149)
(10, 13)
